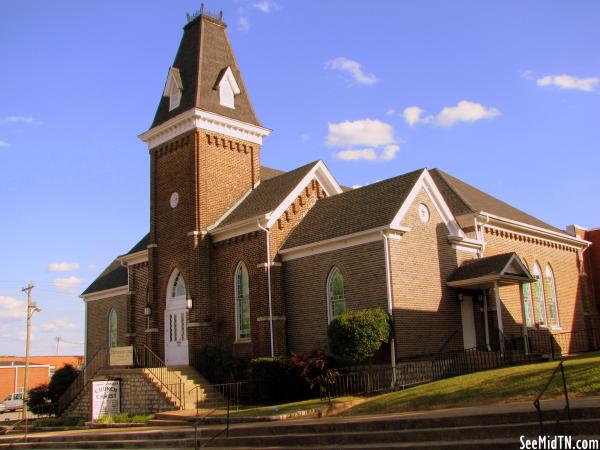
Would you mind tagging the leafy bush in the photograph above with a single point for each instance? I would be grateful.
(357, 335)
(315, 369)
(276, 380)
(60, 381)
(219, 366)
(60, 422)
(125, 418)
(38, 399)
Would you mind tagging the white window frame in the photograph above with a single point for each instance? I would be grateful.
(238, 298)
(330, 300)
(174, 283)
(537, 273)
(553, 298)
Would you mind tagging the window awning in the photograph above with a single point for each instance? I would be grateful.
(506, 268)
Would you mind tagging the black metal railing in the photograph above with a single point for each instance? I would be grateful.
(557, 345)
(214, 436)
(98, 361)
(222, 395)
(536, 403)
(166, 377)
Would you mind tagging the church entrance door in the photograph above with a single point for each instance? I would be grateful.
(176, 339)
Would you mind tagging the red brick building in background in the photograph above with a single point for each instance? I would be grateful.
(41, 369)
(258, 261)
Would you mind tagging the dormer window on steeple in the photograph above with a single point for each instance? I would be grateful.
(173, 88)
(228, 88)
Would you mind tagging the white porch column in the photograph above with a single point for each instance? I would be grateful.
(499, 315)
(485, 321)
(525, 339)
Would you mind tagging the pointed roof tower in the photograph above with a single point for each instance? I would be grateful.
(205, 75)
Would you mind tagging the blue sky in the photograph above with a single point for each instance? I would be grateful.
(505, 95)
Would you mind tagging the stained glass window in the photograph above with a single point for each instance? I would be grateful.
(540, 301)
(242, 302)
(336, 301)
(113, 331)
(552, 299)
(178, 288)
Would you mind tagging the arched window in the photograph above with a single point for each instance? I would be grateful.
(540, 302)
(336, 301)
(552, 300)
(177, 288)
(242, 303)
(113, 330)
(527, 303)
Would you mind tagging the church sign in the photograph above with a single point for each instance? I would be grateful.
(106, 398)
(121, 356)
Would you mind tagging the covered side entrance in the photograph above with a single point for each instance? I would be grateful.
(176, 320)
(478, 283)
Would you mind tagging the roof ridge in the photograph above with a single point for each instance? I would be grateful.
(443, 176)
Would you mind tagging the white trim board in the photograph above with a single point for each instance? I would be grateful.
(106, 293)
(198, 118)
(131, 259)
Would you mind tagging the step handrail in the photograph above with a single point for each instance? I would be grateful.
(92, 367)
(536, 402)
(167, 378)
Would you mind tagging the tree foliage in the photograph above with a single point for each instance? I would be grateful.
(357, 335)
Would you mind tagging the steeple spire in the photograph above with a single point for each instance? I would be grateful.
(205, 74)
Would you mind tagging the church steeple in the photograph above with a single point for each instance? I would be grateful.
(205, 75)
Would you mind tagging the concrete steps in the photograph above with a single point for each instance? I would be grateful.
(481, 431)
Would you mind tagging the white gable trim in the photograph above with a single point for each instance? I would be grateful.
(198, 118)
(173, 88)
(134, 258)
(229, 78)
(515, 259)
(238, 228)
(106, 293)
(341, 242)
(426, 182)
(322, 175)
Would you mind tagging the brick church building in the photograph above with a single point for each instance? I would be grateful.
(258, 261)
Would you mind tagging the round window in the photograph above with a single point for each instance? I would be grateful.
(423, 213)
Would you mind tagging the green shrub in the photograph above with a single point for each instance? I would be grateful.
(125, 418)
(60, 422)
(275, 380)
(38, 400)
(357, 335)
(315, 369)
(219, 366)
(60, 381)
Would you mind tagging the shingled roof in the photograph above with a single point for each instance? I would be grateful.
(203, 54)
(490, 265)
(268, 195)
(115, 275)
(462, 198)
(353, 211)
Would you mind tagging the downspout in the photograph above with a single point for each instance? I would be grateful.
(388, 282)
(266, 230)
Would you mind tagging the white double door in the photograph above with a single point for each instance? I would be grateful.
(176, 339)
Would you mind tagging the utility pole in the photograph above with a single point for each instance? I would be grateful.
(31, 308)
(57, 339)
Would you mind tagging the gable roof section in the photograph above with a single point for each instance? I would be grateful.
(269, 194)
(365, 208)
(114, 276)
(204, 54)
(141, 245)
(462, 198)
(491, 268)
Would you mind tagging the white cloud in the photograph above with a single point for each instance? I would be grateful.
(12, 308)
(244, 24)
(527, 74)
(565, 81)
(356, 154)
(16, 119)
(464, 111)
(56, 325)
(68, 284)
(369, 132)
(304, 137)
(356, 186)
(266, 6)
(376, 138)
(92, 266)
(412, 115)
(391, 112)
(63, 267)
(4, 144)
(353, 68)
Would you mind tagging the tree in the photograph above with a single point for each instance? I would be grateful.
(60, 381)
(38, 399)
(357, 335)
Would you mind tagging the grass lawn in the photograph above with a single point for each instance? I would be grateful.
(512, 384)
(287, 408)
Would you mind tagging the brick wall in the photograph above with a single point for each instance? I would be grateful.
(565, 265)
(13, 377)
(305, 282)
(97, 323)
(426, 311)
(138, 394)
(138, 287)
